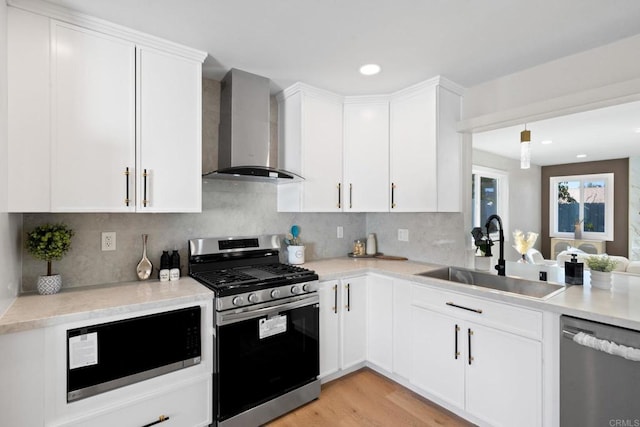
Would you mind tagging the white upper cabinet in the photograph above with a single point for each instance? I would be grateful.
(93, 126)
(425, 149)
(366, 154)
(310, 130)
(397, 153)
(169, 133)
(29, 150)
(96, 105)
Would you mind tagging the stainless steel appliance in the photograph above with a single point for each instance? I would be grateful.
(599, 374)
(266, 346)
(106, 356)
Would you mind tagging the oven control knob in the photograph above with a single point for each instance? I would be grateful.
(237, 301)
(295, 289)
(253, 298)
(275, 293)
(307, 287)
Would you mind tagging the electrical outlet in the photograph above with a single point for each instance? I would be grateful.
(340, 232)
(403, 234)
(108, 241)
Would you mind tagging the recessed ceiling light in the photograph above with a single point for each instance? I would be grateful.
(581, 156)
(546, 142)
(370, 69)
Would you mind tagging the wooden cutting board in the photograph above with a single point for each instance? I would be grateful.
(391, 257)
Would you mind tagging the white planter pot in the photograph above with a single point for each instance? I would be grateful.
(601, 279)
(296, 254)
(482, 263)
(49, 285)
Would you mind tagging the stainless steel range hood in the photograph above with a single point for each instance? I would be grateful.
(244, 139)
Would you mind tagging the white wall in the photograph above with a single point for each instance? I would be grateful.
(524, 196)
(10, 224)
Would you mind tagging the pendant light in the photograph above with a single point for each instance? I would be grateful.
(525, 148)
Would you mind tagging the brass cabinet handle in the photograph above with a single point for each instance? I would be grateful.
(456, 353)
(126, 180)
(393, 204)
(475, 310)
(339, 195)
(335, 299)
(348, 306)
(161, 419)
(350, 196)
(469, 333)
(145, 201)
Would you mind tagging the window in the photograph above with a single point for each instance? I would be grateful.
(583, 201)
(489, 195)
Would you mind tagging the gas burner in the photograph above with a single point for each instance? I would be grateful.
(246, 271)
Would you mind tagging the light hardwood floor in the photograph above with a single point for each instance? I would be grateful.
(366, 398)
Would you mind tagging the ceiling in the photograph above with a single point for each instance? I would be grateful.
(606, 133)
(324, 42)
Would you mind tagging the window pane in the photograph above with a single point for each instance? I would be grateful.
(594, 205)
(568, 205)
(488, 198)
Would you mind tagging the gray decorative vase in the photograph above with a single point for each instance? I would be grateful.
(49, 285)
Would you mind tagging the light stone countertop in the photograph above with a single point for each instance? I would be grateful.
(73, 304)
(619, 306)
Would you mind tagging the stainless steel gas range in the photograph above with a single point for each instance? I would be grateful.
(266, 344)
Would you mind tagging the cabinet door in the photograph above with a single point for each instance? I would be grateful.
(22, 371)
(402, 328)
(380, 321)
(29, 105)
(504, 379)
(436, 365)
(322, 155)
(366, 156)
(93, 122)
(329, 327)
(354, 321)
(169, 132)
(413, 154)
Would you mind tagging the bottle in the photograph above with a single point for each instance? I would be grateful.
(573, 271)
(372, 246)
(165, 265)
(174, 273)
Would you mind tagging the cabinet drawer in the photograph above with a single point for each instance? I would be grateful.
(503, 316)
(185, 405)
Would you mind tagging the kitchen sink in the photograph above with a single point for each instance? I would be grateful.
(513, 285)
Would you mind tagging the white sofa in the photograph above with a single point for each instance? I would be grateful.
(623, 265)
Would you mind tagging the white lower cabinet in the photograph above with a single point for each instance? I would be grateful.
(462, 358)
(343, 322)
(380, 321)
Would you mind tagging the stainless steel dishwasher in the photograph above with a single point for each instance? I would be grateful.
(599, 374)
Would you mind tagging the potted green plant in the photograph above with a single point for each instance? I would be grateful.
(601, 268)
(49, 242)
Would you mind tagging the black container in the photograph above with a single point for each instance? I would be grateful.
(175, 259)
(573, 271)
(165, 262)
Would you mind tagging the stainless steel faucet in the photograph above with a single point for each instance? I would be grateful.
(501, 264)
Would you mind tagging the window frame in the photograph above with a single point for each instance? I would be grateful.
(502, 178)
(609, 206)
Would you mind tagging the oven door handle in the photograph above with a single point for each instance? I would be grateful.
(302, 301)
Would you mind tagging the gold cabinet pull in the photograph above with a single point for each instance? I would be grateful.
(348, 306)
(339, 195)
(393, 188)
(456, 353)
(469, 333)
(126, 181)
(145, 201)
(350, 196)
(335, 299)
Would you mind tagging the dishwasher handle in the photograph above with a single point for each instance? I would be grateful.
(586, 339)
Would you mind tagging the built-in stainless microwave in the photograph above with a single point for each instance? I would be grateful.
(106, 356)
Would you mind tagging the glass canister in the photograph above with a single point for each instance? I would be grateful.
(359, 247)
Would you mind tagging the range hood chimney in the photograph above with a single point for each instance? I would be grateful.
(244, 139)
